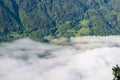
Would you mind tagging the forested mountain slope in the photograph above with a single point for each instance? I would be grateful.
(43, 19)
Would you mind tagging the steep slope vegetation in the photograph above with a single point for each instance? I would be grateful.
(43, 19)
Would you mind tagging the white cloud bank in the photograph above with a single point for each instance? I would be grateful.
(88, 58)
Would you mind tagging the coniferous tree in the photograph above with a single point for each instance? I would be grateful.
(116, 72)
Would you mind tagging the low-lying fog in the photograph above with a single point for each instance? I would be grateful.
(86, 58)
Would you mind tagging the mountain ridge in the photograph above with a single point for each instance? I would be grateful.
(42, 19)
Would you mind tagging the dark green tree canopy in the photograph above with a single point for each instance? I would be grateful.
(116, 72)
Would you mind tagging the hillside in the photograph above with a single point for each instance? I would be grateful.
(45, 19)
